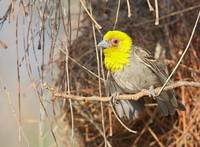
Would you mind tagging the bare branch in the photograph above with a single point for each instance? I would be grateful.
(136, 96)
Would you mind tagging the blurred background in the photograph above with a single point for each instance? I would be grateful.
(51, 43)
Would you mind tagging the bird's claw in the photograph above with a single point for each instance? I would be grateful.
(152, 92)
(113, 97)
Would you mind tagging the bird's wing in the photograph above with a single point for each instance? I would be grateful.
(146, 57)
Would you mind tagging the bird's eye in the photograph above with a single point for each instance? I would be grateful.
(115, 41)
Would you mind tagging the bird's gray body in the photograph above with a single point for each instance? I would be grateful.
(142, 72)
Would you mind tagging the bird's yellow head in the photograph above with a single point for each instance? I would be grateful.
(117, 50)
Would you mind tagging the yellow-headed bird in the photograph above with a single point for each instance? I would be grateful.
(132, 69)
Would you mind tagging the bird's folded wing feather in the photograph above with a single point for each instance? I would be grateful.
(147, 58)
(158, 69)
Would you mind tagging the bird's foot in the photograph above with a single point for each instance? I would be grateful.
(152, 92)
(114, 96)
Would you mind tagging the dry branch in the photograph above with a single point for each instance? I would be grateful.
(136, 96)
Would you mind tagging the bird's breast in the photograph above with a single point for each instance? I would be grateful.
(135, 77)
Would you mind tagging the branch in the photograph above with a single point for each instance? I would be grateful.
(136, 96)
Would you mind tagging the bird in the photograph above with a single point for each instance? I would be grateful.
(130, 69)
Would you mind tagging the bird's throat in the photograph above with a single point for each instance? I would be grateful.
(116, 60)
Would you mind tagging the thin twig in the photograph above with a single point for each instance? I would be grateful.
(67, 82)
(90, 118)
(99, 80)
(83, 67)
(129, 8)
(181, 58)
(157, 13)
(155, 137)
(68, 91)
(169, 15)
(120, 121)
(150, 6)
(43, 110)
(117, 14)
(96, 24)
(183, 66)
(13, 111)
(18, 81)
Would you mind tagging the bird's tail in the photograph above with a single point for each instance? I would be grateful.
(167, 107)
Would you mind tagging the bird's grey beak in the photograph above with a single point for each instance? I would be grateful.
(104, 44)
